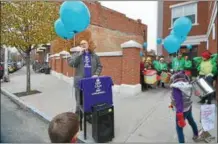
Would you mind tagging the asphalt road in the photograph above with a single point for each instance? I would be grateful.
(21, 126)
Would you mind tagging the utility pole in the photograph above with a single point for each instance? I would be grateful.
(6, 75)
(160, 17)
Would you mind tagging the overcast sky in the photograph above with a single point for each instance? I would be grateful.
(144, 10)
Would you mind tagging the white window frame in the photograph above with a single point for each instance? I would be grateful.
(210, 4)
(207, 44)
(213, 32)
(183, 5)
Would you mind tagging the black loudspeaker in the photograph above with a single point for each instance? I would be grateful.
(103, 123)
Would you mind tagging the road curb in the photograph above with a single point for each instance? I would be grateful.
(25, 105)
(28, 107)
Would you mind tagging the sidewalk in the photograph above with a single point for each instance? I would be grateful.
(143, 118)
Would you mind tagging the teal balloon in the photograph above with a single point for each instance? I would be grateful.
(141, 54)
(75, 16)
(171, 44)
(159, 41)
(182, 26)
(189, 46)
(172, 32)
(181, 38)
(61, 31)
(145, 45)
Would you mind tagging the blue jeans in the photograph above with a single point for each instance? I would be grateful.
(189, 117)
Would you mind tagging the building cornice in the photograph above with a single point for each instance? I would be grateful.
(109, 54)
(182, 4)
(195, 40)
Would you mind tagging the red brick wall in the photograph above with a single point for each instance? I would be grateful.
(108, 18)
(53, 63)
(67, 70)
(201, 48)
(112, 66)
(123, 69)
(131, 66)
(107, 40)
(58, 65)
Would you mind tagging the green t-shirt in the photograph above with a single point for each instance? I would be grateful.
(188, 64)
(178, 64)
(162, 66)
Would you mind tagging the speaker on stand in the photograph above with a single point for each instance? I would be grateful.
(103, 123)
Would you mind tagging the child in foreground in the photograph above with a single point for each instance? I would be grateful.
(181, 100)
(64, 128)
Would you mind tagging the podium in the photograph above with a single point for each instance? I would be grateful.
(94, 91)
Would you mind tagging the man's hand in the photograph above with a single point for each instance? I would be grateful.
(82, 50)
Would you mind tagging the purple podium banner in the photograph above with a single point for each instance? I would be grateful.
(96, 90)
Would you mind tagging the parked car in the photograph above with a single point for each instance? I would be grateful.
(15, 65)
(11, 68)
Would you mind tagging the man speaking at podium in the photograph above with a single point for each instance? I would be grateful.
(87, 64)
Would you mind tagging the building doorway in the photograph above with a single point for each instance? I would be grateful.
(190, 53)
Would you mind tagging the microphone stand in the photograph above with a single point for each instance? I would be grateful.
(73, 89)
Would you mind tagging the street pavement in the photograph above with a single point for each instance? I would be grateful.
(141, 118)
(20, 126)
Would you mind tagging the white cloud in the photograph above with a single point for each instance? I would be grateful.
(144, 10)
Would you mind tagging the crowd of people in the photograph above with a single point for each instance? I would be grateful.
(202, 67)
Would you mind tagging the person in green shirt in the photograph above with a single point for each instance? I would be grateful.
(188, 63)
(178, 63)
(162, 67)
(188, 66)
(207, 68)
(156, 63)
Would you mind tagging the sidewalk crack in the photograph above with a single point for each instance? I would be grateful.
(146, 116)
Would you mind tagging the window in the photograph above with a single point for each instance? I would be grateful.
(214, 32)
(188, 10)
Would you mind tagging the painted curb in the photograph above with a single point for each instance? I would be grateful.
(24, 105)
(28, 107)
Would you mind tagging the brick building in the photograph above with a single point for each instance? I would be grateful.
(118, 41)
(203, 15)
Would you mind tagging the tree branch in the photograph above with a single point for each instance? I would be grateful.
(22, 55)
(34, 47)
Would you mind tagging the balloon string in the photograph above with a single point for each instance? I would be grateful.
(73, 90)
(74, 41)
(65, 44)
